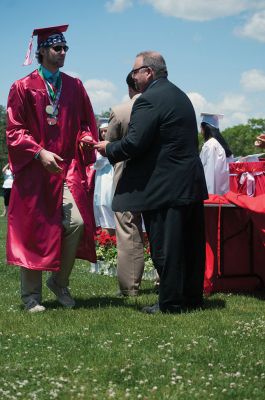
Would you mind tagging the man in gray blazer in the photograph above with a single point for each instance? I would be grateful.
(129, 234)
(164, 180)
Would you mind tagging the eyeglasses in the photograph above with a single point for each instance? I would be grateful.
(58, 49)
(134, 71)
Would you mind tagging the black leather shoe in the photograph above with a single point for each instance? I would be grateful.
(192, 306)
(151, 309)
(172, 309)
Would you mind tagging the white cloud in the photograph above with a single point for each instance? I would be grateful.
(101, 93)
(200, 105)
(233, 103)
(235, 108)
(254, 28)
(73, 74)
(203, 10)
(253, 80)
(98, 84)
(118, 5)
(235, 118)
(125, 98)
(198, 101)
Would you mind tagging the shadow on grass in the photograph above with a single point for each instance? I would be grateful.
(152, 290)
(211, 304)
(208, 304)
(108, 301)
(93, 303)
(257, 294)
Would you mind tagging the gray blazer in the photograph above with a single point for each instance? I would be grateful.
(118, 127)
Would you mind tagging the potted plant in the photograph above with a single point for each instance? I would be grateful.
(106, 251)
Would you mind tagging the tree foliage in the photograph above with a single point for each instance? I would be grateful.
(103, 117)
(3, 146)
(241, 138)
(105, 113)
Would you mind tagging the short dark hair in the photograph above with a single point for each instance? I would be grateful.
(130, 82)
(155, 61)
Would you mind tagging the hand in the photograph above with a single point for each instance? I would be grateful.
(48, 160)
(87, 142)
(260, 142)
(101, 147)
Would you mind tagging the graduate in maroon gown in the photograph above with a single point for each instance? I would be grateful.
(51, 221)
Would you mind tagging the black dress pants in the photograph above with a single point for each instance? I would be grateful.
(177, 245)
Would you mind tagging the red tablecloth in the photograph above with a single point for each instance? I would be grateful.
(235, 242)
(247, 178)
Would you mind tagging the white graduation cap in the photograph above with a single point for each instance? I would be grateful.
(211, 119)
(104, 125)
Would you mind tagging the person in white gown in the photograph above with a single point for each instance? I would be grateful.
(7, 186)
(215, 155)
(104, 216)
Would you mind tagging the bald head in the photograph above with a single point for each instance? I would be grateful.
(155, 61)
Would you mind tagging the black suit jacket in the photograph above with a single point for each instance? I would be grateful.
(163, 168)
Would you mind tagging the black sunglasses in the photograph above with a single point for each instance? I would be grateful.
(134, 71)
(58, 49)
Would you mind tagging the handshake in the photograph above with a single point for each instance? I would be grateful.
(88, 142)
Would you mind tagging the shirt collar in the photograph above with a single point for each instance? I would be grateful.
(48, 75)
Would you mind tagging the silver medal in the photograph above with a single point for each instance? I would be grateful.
(49, 109)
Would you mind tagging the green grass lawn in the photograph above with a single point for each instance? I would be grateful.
(106, 348)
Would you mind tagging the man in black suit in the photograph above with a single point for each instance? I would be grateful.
(163, 178)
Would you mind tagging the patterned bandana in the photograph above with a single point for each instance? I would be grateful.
(53, 39)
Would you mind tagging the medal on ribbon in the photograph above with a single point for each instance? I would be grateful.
(49, 109)
(52, 120)
(54, 96)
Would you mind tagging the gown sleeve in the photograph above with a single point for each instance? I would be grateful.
(88, 124)
(208, 161)
(22, 147)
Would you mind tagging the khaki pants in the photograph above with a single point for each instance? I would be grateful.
(130, 248)
(31, 280)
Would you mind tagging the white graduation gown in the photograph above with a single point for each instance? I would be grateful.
(103, 194)
(215, 166)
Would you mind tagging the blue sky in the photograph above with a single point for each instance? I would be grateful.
(215, 50)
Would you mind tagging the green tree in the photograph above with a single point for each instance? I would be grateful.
(3, 146)
(257, 124)
(241, 138)
(103, 117)
(105, 114)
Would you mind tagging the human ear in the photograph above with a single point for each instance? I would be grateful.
(42, 51)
